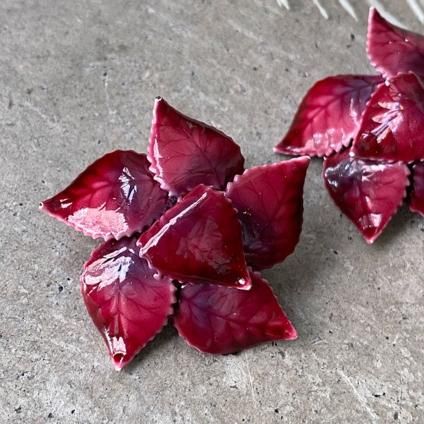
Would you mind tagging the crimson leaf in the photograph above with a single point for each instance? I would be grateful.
(393, 50)
(367, 192)
(184, 152)
(127, 302)
(115, 196)
(392, 127)
(198, 240)
(269, 201)
(328, 116)
(216, 319)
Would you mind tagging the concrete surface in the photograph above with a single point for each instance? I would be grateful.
(78, 79)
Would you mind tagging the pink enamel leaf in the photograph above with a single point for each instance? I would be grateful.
(392, 127)
(367, 192)
(127, 302)
(198, 240)
(269, 201)
(115, 196)
(393, 50)
(220, 320)
(328, 116)
(184, 152)
(417, 196)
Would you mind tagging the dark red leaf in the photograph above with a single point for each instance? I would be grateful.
(367, 192)
(198, 240)
(127, 302)
(328, 116)
(222, 320)
(185, 152)
(393, 50)
(115, 196)
(392, 127)
(269, 201)
(417, 197)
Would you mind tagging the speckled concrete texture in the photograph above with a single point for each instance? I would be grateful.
(78, 79)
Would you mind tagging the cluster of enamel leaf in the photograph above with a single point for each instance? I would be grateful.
(186, 231)
(370, 130)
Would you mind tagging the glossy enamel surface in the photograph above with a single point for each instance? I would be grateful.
(216, 319)
(114, 197)
(198, 240)
(392, 49)
(329, 115)
(393, 123)
(128, 304)
(185, 152)
(367, 192)
(269, 201)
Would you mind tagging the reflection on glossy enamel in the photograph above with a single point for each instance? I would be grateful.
(269, 202)
(185, 152)
(328, 116)
(115, 196)
(367, 192)
(392, 127)
(126, 301)
(198, 240)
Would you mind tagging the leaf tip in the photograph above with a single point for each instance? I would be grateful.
(292, 334)
(119, 362)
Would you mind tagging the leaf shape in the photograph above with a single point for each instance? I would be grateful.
(417, 196)
(393, 50)
(329, 115)
(184, 152)
(392, 126)
(269, 201)
(115, 196)
(222, 320)
(127, 302)
(198, 240)
(367, 192)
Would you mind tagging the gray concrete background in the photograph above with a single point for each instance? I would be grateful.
(78, 79)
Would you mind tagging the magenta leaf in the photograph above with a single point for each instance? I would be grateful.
(184, 152)
(392, 127)
(128, 304)
(198, 240)
(393, 50)
(367, 192)
(115, 196)
(269, 201)
(221, 320)
(328, 116)
(417, 196)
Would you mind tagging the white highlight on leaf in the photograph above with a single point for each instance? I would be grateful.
(416, 8)
(284, 3)
(349, 8)
(378, 5)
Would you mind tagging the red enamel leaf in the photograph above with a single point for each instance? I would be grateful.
(269, 201)
(417, 196)
(393, 50)
(222, 320)
(328, 116)
(198, 240)
(367, 192)
(392, 127)
(127, 302)
(184, 152)
(114, 197)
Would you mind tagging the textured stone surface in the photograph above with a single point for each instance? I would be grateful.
(78, 79)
